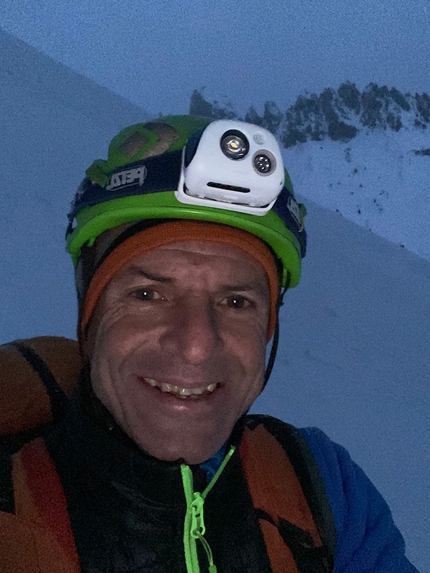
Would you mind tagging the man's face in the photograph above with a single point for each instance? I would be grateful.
(177, 346)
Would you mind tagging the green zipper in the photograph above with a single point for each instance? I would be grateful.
(194, 524)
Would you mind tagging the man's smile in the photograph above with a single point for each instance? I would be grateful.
(181, 392)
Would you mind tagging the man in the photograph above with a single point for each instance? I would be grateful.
(184, 242)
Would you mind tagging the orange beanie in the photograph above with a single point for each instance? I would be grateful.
(165, 234)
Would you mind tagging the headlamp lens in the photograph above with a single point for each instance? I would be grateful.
(234, 144)
(262, 163)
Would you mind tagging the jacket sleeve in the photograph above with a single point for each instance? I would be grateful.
(367, 539)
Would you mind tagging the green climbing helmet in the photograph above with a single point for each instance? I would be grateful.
(184, 167)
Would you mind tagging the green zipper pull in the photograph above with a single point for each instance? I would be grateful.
(198, 528)
(190, 548)
(194, 525)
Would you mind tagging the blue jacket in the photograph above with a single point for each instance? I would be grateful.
(367, 539)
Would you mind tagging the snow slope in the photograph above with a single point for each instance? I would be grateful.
(354, 360)
(53, 124)
(376, 180)
(353, 357)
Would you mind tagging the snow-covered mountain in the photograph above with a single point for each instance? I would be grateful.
(343, 113)
(335, 114)
(354, 352)
(365, 155)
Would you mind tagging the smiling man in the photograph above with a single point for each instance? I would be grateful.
(185, 241)
(177, 346)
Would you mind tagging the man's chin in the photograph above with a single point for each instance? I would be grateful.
(191, 453)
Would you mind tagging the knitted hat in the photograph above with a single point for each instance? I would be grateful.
(116, 247)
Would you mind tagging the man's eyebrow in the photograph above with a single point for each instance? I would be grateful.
(137, 271)
(241, 287)
(256, 287)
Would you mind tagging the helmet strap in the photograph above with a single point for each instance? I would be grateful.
(275, 341)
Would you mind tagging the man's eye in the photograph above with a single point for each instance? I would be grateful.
(147, 294)
(237, 301)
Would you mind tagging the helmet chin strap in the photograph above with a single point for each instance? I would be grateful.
(275, 341)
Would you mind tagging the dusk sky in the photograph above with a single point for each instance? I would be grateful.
(155, 52)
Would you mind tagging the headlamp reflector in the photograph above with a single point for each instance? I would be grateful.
(234, 144)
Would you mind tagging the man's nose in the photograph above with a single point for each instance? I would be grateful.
(194, 331)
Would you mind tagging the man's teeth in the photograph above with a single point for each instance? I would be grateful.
(181, 392)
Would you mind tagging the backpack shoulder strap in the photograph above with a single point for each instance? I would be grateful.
(57, 396)
(36, 535)
(39, 494)
(36, 376)
(7, 501)
(289, 496)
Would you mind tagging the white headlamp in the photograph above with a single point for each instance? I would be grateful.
(232, 165)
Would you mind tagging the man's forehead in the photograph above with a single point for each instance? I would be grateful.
(199, 253)
(204, 248)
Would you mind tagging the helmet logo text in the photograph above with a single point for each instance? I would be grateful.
(127, 177)
(294, 209)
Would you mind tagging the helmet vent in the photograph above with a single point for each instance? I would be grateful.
(167, 136)
(133, 144)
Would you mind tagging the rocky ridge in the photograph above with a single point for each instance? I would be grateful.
(333, 114)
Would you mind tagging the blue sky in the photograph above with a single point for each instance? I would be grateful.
(155, 52)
